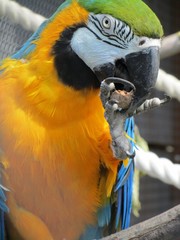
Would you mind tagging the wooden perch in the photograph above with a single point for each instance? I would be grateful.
(165, 226)
(170, 45)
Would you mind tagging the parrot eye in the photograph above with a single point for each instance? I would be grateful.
(110, 30)
(106, 22)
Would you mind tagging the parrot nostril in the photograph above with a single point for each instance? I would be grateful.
(131, 155)
(142, 42)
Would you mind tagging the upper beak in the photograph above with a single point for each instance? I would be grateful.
(143, 71)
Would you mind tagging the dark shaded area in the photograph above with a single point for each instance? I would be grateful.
(161, 127)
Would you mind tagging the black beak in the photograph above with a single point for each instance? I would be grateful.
(139, 68)
(142, 72)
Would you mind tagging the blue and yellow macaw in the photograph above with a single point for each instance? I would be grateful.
(60, 178)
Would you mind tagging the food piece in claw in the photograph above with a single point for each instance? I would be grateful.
(122, 98)
(117, 96)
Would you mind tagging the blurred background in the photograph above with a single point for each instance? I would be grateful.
(160, 127)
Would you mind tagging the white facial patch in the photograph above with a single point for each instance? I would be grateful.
(92, 51)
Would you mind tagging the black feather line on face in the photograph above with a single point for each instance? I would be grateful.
(71, 69)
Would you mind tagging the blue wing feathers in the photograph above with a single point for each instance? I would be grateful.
(2, 231)
(124, 185)
(2, 195)
(104, 215)
(119, 208)
(3, 209)
(92, 232)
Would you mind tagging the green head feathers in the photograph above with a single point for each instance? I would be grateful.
(135, 13)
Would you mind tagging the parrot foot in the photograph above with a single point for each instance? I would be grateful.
(116, 96)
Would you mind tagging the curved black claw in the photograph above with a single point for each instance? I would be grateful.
(130, 155)
(120, 84)
(166, 99)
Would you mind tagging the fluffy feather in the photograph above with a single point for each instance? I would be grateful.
(55, 140)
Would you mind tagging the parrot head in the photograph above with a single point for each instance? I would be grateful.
(96, 39)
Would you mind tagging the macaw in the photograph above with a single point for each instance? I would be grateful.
(61, 176)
